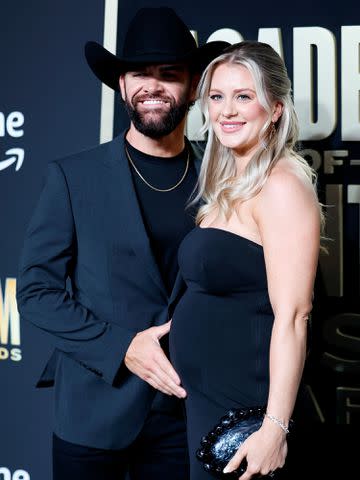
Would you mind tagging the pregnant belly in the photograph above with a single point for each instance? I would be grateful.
(219, 344)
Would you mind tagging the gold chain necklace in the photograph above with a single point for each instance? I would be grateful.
(151, 186)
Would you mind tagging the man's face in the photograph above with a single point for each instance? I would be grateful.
(157, 97)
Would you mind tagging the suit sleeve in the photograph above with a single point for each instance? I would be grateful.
(46, 263)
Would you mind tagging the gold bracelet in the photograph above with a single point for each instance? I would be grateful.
(278, 422)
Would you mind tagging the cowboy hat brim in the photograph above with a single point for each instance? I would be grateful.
(108, 67)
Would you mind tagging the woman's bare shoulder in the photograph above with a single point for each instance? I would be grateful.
(288, 177)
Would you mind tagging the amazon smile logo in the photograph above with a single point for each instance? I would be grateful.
(11, 125)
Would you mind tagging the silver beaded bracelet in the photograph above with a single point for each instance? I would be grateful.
(278, 422)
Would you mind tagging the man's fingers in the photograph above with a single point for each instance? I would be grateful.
(146, 358)
(162, 330)
(165, 365)
(159, 370)
(166, 381)
(155, 384)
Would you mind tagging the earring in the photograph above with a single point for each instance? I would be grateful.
(270, 133)
(263, 144)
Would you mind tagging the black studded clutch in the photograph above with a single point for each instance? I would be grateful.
(222, 442)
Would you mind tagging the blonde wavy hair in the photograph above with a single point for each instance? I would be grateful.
(219, 189)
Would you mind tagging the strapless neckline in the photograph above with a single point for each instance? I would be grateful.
(232, 234)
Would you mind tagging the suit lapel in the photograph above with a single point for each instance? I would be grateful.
(126, 207)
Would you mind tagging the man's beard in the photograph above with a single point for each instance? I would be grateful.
(163, 125)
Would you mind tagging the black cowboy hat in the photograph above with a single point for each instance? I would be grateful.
(155, 35)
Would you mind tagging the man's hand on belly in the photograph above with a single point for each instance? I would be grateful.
(146, 359)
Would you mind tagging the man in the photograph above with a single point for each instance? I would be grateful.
(110, 219)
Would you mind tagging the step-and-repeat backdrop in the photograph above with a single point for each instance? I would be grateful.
(52, 105)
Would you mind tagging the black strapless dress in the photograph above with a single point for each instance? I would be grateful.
(221, 329)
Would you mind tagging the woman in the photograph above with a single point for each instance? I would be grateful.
(238, 334)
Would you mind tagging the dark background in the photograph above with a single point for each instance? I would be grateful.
(44, 75)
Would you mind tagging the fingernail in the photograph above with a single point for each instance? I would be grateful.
(226, 469)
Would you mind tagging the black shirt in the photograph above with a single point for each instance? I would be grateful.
(165, 216)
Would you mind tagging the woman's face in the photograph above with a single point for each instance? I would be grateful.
(235, 112)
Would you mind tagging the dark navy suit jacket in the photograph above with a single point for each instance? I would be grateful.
(87, 227)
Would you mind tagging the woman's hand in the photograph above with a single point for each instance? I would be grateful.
(264, 450)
